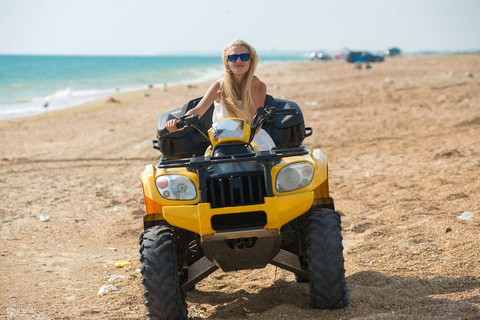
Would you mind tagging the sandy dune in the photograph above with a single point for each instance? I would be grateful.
(404, 164)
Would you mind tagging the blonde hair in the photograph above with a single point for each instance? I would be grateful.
(227, 87)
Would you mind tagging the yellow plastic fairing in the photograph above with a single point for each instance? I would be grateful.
(320, 174)
(229, 130)
(149, 190)
(321, 192)
(154, 202)
(279, 210)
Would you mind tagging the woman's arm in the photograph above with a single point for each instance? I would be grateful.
(207, 100)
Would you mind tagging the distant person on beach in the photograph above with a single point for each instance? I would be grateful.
(238, 94)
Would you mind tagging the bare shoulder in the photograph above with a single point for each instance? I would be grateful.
(216, 85)
(258, 84)
(256, 80)
(212, 94)
(214, 89)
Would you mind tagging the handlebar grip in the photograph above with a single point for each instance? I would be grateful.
(180, 123)
(308, 131)
(155, 145)
(286, 112)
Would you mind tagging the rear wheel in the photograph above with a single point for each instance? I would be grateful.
(328, 288)
(163, 294)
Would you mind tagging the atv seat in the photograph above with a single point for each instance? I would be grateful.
(183, 144)
(287, 131)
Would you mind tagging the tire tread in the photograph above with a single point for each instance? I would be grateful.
(164, 298)
(328, 288)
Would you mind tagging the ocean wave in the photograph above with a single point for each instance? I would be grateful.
(21, 86)
(10, 111)
(60, 99)
(202, 75)
(69, 94)
(23, 101)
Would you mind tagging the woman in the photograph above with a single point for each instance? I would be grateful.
(238, 94)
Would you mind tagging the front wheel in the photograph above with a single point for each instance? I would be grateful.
(328, 288)
(164, 297)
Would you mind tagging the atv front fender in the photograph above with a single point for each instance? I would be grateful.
(152, 207)
(321, 192)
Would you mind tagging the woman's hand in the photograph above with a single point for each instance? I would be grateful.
(171, 125)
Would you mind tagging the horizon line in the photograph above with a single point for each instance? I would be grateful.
(213, 53)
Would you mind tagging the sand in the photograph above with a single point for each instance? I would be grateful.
(404, 164)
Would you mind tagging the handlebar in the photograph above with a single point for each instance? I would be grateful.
(189, 121)
(192, 121)
(285, 112)
(272, 111)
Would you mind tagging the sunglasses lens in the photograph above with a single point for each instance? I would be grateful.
(244, 57)
(233, 57)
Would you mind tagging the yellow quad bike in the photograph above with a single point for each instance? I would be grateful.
(215, 200)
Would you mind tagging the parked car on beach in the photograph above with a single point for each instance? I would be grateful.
(319, 56)
(393, 52)
(363, 56)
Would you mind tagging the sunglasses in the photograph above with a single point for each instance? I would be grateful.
(243, 57)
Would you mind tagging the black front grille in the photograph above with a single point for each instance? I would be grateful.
(236, 191)
(244, 220)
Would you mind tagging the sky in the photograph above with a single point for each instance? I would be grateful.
(151, 27)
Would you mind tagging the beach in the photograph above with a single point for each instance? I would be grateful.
(403, 143)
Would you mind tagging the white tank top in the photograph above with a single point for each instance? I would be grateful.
(221, 111)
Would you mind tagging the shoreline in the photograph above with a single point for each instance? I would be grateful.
(111, 93)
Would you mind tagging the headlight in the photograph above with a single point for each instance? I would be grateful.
(294, 176)
(176, 187)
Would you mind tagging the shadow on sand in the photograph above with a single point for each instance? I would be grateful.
(373, 295)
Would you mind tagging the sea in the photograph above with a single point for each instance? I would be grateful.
(33, 84)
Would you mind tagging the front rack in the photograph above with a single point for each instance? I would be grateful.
(271, 156)
(265, 158)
